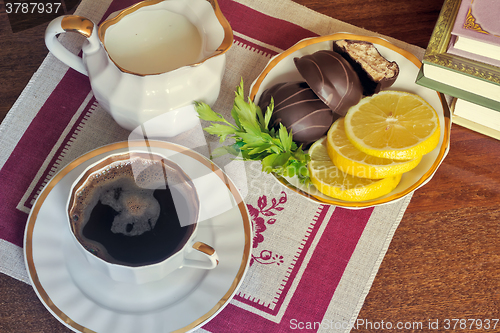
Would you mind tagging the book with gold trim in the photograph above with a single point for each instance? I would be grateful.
(476, 31)
(457, 76)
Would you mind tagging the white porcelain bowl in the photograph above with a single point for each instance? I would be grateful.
(281, 68)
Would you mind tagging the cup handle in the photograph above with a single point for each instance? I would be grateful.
(210, 254)
(67, 23)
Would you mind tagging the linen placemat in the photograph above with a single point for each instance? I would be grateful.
(310, 263)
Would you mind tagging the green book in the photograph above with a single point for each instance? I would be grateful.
(456, 92)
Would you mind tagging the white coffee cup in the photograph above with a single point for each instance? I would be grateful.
(134, 217)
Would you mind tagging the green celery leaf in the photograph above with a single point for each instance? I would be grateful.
(282, 159)
(268, 114)
(254, 140)
(268, 162)
(301, 155)
(205, 112)
(255, 109)
(223, 150)
(250, 127)
(221, 130)
(290, 171)
(275, 149)
(303, 170)
(246, 112)
(259, 149)
(286, 139)
(300, 168)
(234, 114)
(249, 138)
(279, 160)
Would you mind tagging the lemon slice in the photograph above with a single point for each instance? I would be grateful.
(353, 161)
(329, 180)
(393, 124)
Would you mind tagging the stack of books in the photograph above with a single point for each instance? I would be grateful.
(463, 60)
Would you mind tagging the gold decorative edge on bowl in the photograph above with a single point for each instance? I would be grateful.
(408, 55)
(226, 44)
(28, 239)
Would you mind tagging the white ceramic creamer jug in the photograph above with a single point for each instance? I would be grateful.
(150, 58)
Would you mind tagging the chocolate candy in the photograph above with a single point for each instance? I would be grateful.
(374, 71)
(299, 109)
(332, 78)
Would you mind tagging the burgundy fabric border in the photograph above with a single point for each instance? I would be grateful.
(262, 27)
(317, 286)
(72, 132)
(318, 221)
(32, 149)
(260, 48)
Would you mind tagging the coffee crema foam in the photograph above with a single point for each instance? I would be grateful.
(116, 208)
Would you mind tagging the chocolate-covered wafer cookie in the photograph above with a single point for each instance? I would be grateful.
(374, 71)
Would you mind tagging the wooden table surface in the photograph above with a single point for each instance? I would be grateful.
(444, 260)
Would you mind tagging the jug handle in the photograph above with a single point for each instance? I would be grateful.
(63, 24)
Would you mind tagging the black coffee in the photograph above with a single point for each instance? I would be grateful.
(165, 237)
(134, 220)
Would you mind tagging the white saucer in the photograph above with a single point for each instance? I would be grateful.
(86, 300)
